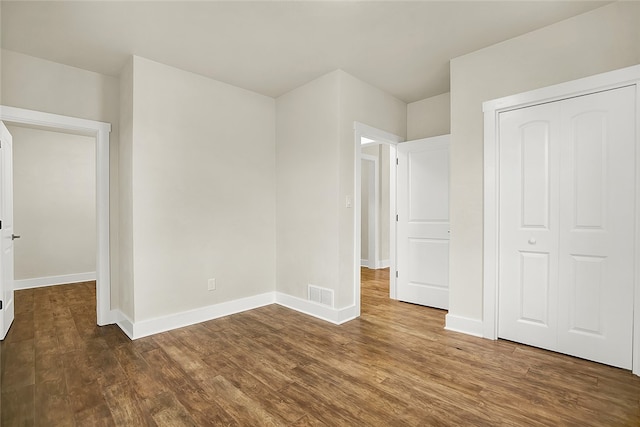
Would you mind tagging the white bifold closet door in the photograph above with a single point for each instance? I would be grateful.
(567, 226)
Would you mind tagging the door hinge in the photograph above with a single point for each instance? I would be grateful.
(396, 274)
(396, 217)
(0, 304)
(396, 161)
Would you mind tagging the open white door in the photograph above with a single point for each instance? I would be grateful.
(423, 222)
(6, 231)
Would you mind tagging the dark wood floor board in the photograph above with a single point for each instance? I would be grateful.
(18, 406)
(241, 407)
(20, 355)
(53, 407)
(395, 366)
(357, 392)
(320, 406)
(166, 410)
(139, 373)
(262, 388)
(124, 404)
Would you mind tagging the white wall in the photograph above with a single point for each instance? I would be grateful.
(203, 191)
(54, 203)
(125, 190)
(595, 42)
(307, 185)
(429, 117)
(41, 85)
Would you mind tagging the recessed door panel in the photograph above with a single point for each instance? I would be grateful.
(585, 311)
(535, 175)
(429, 185)
(534, 287)
(589, 142)
(428, 257)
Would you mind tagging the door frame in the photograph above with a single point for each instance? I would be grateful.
(100, 131)
(373, 219)
(383, 137)
(629, 76)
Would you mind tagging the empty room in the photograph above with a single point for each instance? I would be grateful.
(337, 213)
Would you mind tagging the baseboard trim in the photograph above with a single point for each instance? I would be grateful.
(144, 328)
(464, 325)
(66, 279)
(125, 324)
(320, 311)
(385, 263)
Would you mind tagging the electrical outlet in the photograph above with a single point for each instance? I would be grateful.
(211, 284)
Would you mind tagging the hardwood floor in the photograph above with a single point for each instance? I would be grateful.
(393, 366)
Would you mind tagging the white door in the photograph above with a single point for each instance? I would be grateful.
(423, 222)
(6, 233)
(567, 226)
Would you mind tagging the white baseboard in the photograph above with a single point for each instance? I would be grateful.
(135, 330)
(40, 282)
(464, 324)
(329, 314)
(125, 324)
(385, 263)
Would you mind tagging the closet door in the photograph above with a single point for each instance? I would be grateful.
(528, 274)
(597, 227)
(567, 226)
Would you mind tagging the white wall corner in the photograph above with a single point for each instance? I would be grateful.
(39, 282)
(124, 323)
(320, 311)
(464, 325)
(135, 330)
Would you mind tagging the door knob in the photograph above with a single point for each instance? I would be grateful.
(14, 237)
(532, 241)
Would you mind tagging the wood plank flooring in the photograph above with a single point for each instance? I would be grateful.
(393, 366)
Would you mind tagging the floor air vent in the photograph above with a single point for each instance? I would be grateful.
(321, 295)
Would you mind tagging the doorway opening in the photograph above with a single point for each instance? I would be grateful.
(376, 156)
(100, 131)
(54, 207)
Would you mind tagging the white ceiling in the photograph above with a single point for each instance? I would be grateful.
(272, 47)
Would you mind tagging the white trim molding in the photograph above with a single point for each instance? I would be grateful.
(337, 316)
(629, 76)
(66, 279)
(144, 328)
(100, 131)
(464, 324)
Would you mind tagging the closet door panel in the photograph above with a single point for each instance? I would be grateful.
(597, 224)
(528, 268)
